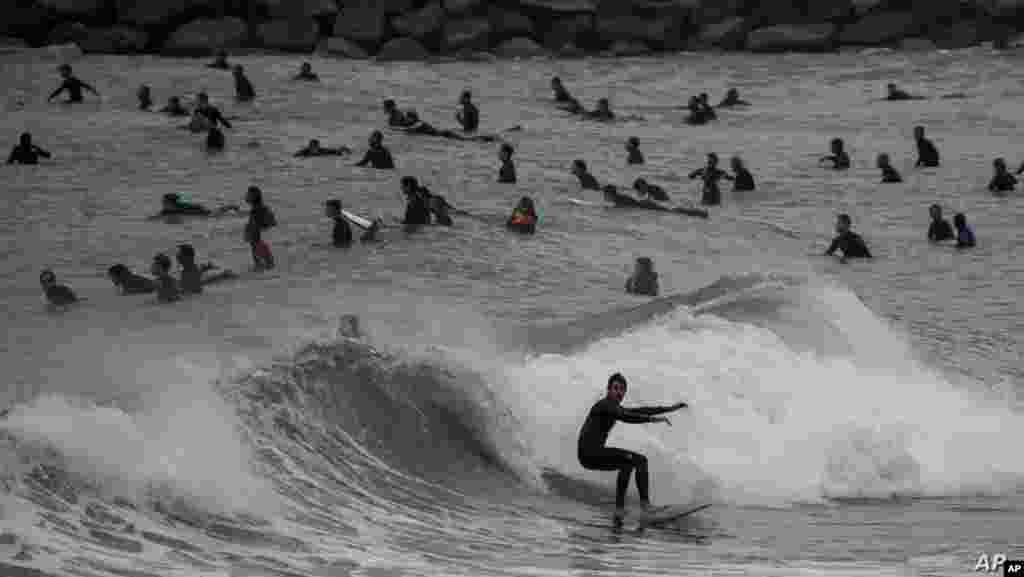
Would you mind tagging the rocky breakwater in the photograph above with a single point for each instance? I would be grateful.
(419, 29)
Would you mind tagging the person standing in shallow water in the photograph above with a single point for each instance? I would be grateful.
(507, 172)
(644, 280)
(377, 156)
(851, 244)
(72, 85)
(341, 234)
(587, 180)
(927, 154)
(711, 195)
(244, 92)
(633, 151)
(260, 219)
(468, 115)
(594, 454)
(889, 174)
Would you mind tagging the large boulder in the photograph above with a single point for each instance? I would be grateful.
(880, 28)
(340, 47)
(421, 23)
(562, 5)
(520, 48)
(73, 8)
(509, 23)
(629, 28)
(153, 12)
(292, 35)
(792, 38)
(288, 9)
(361, 23)
(403, 48)
(575, 30)
(728, 34)
(118, 40)
(461, 6)
(469, 34)
(204, 37)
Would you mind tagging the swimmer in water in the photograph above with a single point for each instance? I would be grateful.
(417, 209)
(25, 152)
(172, 205)
(396, 118)
(260, 218)
(214, 139)
(700, 113)
(524, 217)
(128, 282)
(220, 62)
(420, 127)
(167, 290)
(468, 115)
(710, 174)
(644, 280)
(341, 234)
(743, 181)
(561, 94)
(634, 156)
(507, 172)
(851, 244)
(314, 149)
(206, 114)
(306, 73)
(705, 106)
(574, 107)
(895, 93)
(939, 230)
(889, 174)
(603, 112)
(72, 85)
(964, 233)
(651, 191)
(1002, 180)
(145, 97)
(244, 92)
(174, 108)
(839, 159)
(927, 154)
(57, 295)
(377, 156)
(732, 99)
(193, 276)
(439, 208)
(587, 180)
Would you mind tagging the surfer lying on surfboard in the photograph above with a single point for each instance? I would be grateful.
(594, 455)
(616, 198)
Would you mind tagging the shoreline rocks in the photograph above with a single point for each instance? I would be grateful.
(417, 29)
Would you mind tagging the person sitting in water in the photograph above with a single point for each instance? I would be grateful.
(524, 217)
(939, 230)
(145, 97)
(220, 62)
(587, 180)
(889, 174)
(167, 290)
(57, 295)
(507, 172)
(396, 118)
(927, 154)
(851, 244)
(634, 156)
(732, 99)
(561, 94)
(306, 73)
(651, 191)
(603, 112)
(594, 454)
(377, 156)
(25, 152)
(314, 149)
(743, 181)
(644, 280)
(468, 115)
(839, 159)
(174, 107)
(72, 85)
(206, 115)
(128, 282)
(1002, 180)
(710, 174)
(244, 92)
(417, 209)
(964, 233)
(895, 93)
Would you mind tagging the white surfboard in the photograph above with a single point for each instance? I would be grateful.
(666, 514)
(581, 202)
(357, 220)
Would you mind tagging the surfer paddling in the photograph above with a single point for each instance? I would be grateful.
(594, 455)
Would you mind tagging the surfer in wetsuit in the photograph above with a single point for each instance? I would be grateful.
(167, 290)
(128, 282)
(964, 233)
(839, 159)
(306, 73)
(651, 191)
(396, 118)
(644, 280)
(889, 174)
(244, 92)
(72, 85)
(417, 209)
(1002, 180)
(587, 180)
(895, 93)
(426, 129)
(603, 112)
(173, 205)
(594, 455)
(341, 234)
(25, 152)
(939, 230)
(507, 172)
(851, 244)
(314, 149)
(732, 99)
(57, 295)
(174, 107)
(633, 151)
(145, 97)
(561, 94)
(468, 115)
(927, 154)
(206, 115)
(377, 156)
(710, 175)
(743, 181)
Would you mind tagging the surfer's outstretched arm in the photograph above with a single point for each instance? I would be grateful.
(651, 411)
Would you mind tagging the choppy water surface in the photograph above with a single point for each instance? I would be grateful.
(846, 420)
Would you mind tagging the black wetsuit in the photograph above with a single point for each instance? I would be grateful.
(889, 174)
(851, 244)
(60, 295)
(74, 87)
(308, 77)
(927, 154)
(214, 139)
(417, 211)
(244, 91)
(744, 181)
(260, 218)
(1003, 182)
(26, 154)
(341, 236)
(600, 115)
(378, 157)
(175, 111)
(167, 289)
(635, 157)
(593, 454)
(191, 280)
(133, 284)
(470, 117)
(940, 230)
(507, 173)
(899, 95)
(212, 115)
(186, 210)
(839, 161)
(711, 194)
(396, 119)
(562, 95)
(655, 192)
(588, 182)
(647, 285)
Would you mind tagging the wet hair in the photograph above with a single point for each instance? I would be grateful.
(377, 135)
(883, 159)
(960, 220)
(255, 194)
(638, 183)
(506, 147)
(237, 68)
(409, 181)
(333, 204)
(389, 103)
(617, 378)
(46, 275)
(526, 203)
(186, 252)
(936, 208)
(736, 161)
(844, 218)
(163, 261)
(645, 263)
(712, 157)
(25, 138)
(579, 163)
(117, 271)
(64, 67)
(999, 163)
(556, 79)
(836, 142)
(465, 95)
(633, 141)
(412, 115)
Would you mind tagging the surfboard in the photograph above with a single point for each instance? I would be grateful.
(357, 220)
(581, 202)
(668, 513)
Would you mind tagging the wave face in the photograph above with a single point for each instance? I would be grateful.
(349, 456)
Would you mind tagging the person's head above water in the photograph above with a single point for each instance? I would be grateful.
(883, 160)
(306, 68)
(169, 201)
(732, 94)
(203, 98)
(579, 167)
(526, 205)
(376, 138)
(117, 273)
(712, 159)
(959, 220)
(65, 70)
(161, 264)
(47, 278)
(616, 388)
(332, 208)
(843, 223)
(186, 254)
(999, 164)
(25, 139)
(254, 196)
(466, 97)
(314, 144)
(389, 105)
(237, 69)
(556, 83)
(505, 152)
(935, 211)
(737, 164)
(632, 143)
(644, 266)
(837, 145)
(604, 105)
(409, 185)
(918, 132)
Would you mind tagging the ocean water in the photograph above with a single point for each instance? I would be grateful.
(857, 419)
